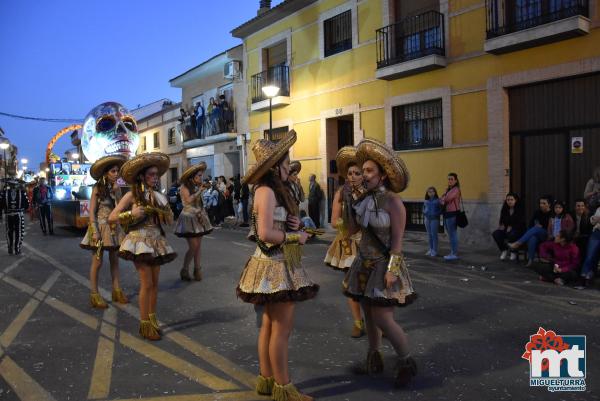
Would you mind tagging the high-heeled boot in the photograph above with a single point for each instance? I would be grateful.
(372, 366)
(264, 385)
(148, 331)
(197, 273)
(184, 273)
(405, 369)
(154, 322)
(97, 301)
(119, 296)
(288, 392)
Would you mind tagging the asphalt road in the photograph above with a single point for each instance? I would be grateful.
(468, 329)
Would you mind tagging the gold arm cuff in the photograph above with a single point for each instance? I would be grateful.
(126, 219)
(291, 238)
(396, 264)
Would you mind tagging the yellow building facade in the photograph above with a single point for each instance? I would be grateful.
(430, 78)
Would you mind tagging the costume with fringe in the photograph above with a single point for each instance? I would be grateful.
(344, 248)
(110, 235)
(274, 273)
(145, 240)
(365, 280)
(193, 220)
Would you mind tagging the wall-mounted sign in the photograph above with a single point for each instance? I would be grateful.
(577, 144)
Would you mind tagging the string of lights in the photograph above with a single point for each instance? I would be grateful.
(48, 120)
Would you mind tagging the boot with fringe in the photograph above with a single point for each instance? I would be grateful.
(97, 301)
(373, 365)
(264, 385)
(148, 331)
(288, 392)
(184, 273)
(197, 274)
(406, 369)
(119, 296)
(154, 322)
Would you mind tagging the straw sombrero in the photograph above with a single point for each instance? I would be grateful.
(344, 157)
(192, 171)
(104, 163)
(295, 167)
(268, 153)
(132, 167)
(394, 167)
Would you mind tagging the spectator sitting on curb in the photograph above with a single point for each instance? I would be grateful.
(538, 229)
(511, 225)
(561, 257)
(561, 220)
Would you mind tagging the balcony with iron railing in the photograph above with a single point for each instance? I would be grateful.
(209, 128)
(518, 24)
(279, 76)
(413, 45)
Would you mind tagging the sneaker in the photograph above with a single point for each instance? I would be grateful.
(450, 257)
(559, 281)
(513, 256)
(503, 255)
(428, 253)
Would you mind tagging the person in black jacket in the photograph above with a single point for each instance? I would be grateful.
(13, 203)
(538, 229)
(245, 197)
(583, 226)
(511, 225)
(42, 199)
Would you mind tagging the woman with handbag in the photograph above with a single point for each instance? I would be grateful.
(451, 201)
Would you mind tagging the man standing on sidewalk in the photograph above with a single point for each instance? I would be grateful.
(315, 196)
(244, 197)
(42, 199)
(13, 203)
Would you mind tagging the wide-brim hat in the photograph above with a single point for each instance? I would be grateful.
(344, 157)
(295, 167)
(132, 168)
(101, 165)
(192, 171)
(267, 154)
(392, 164)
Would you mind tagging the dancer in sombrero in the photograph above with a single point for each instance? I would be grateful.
(101, 234)
(274, 276)
(193, 222)
(378, 277)
(145, 243)
(343, 249)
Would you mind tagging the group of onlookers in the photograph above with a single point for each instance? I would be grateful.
(566, 243)
(222, 198)
(206, 120)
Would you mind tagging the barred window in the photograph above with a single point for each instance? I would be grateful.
(156, 141)
(418, 125)
(276, 134)
(171, 136)
(338, 33)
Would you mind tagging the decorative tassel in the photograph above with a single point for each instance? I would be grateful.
(153, 320)
(289, 392)
(264, 385)
(292, 254)
(99, 246)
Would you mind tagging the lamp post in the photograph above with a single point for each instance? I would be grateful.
(270, 91)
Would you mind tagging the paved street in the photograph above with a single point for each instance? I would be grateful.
(467, 330)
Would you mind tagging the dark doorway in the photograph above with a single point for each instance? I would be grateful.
(340, 133)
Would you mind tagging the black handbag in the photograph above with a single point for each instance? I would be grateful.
(461, 217)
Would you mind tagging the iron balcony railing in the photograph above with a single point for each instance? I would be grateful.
(278, 75)
(508, 16)
(413, 37)
(216, 120)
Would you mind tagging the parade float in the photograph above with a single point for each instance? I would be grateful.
(108, 129)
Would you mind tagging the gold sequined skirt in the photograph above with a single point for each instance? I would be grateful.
(268, 279)
(146, 244)
(342, 252)
(191, 224)
(111, 234)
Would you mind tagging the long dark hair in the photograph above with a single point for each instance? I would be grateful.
(427, 197)
(517, 207)
(103, 185)
(282, 192)
(138, 188)
(564, 207)
(457, 181)
(189, 183)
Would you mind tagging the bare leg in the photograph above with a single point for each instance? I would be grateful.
(114, 268)
(145, 275)
(355, 309)
(197, 249)
(373, 333)
(154, 291)
(263, 344)
(282, 321)
(95, 268)
(189, 254)
(384, 319)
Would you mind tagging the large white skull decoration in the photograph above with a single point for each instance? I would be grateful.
(107, 130)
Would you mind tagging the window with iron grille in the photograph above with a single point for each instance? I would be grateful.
(156, 141)
(144, 146)
(338, 33)
(171, 136)
(276, 134)
(418, 125)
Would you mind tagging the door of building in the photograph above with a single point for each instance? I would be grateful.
(340, 133)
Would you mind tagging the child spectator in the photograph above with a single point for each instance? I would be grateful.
(561, 220)
(432, 209)
(510, 226)
(307, 221)
(563, 258)
(538, 229)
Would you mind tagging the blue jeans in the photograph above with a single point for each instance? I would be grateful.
(432, 233)
(592, 256)
(533, 237)
(452, 230)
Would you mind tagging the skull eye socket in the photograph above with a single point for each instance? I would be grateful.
(130, 123)
(105, 123)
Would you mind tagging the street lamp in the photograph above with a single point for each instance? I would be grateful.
(270, 91)
(75, 156)
(24, 161)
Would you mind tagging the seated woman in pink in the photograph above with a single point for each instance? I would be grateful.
(563, 258)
